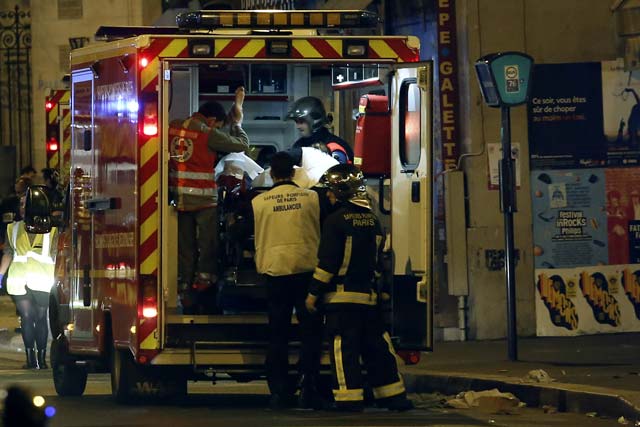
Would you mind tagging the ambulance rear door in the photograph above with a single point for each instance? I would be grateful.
(411, 206)
(82, 190)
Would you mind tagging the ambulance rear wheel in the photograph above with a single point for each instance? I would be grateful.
(68, 379)
(123, 375)
(132, 383)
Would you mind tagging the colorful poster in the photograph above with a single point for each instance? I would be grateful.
(565, 116)
(621, 113)
(569, 221)
(602, 299)
(623, 214)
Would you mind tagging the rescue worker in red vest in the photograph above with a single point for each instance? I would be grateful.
(311, 120)
(287, 232)
(30, 261)
(194, 146)
(345, 278)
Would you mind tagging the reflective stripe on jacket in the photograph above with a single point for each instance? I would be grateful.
(349, 257)
(191, 177)
(33, 264)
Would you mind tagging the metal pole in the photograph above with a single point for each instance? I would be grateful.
(508, 207)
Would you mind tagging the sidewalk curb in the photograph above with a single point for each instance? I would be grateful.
(565, 397)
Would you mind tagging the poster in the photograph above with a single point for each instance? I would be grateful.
(565, 116)
(623, 214)
(494, 153)
(569, 220)
(584, 143)
(601, 299)
(586, 225)
(621, 113)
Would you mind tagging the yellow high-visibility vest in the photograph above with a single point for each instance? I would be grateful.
(33, 264)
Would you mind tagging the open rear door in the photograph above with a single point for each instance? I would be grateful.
(411, 205)
(82, 224)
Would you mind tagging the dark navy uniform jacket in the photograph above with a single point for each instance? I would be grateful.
(349, 257)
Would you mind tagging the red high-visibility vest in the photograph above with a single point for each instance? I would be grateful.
(191, 175)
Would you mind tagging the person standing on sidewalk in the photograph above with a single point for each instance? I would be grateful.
(194, 145)
(348, 265)
(287, 232)
(30, 261)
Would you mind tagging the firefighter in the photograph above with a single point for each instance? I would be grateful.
(287, 232)
(311, 120)
(194, 146)
(51, 179)
(30, 260)
(348, 264)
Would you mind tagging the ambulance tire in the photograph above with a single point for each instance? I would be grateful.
(123, 376)
(131, 383)
(68, 378)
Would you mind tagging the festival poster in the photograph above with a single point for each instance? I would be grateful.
(590, 300)
(565, 114)
(621, 113)
(623, 214)
(569, 220)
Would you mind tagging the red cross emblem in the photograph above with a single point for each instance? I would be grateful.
(181, 149)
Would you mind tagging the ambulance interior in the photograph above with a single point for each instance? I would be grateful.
(271, 87)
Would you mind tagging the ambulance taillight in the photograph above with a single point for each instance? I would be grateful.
(150, 119)
(148, 297)
(52, 145)
(372, 151)
(48, 105)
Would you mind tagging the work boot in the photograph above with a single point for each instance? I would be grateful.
(310, 397)
(42, 359)
(204, 281)
(279, 402)
(398, 403)
(32, 362)
(346, 407)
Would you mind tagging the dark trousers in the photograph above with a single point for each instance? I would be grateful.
(197, 243)
(283, 294)
(357, 331)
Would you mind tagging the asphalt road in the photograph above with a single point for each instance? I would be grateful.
(238, 405)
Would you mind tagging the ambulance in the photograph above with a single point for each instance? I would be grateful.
(115, 306)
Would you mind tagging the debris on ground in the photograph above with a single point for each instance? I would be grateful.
(591, 414)
(428, 400)
(548, 409)
(491, 401)
(623, 421)
(538, 376)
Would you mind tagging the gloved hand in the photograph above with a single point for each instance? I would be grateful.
(310, 303)
(1, 277)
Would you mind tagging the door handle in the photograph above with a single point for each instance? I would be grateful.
(415, 191)
(103, 204)
(86, 285)
(422, 289)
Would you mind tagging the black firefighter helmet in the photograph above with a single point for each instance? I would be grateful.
(346, 181)
(309, 109)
